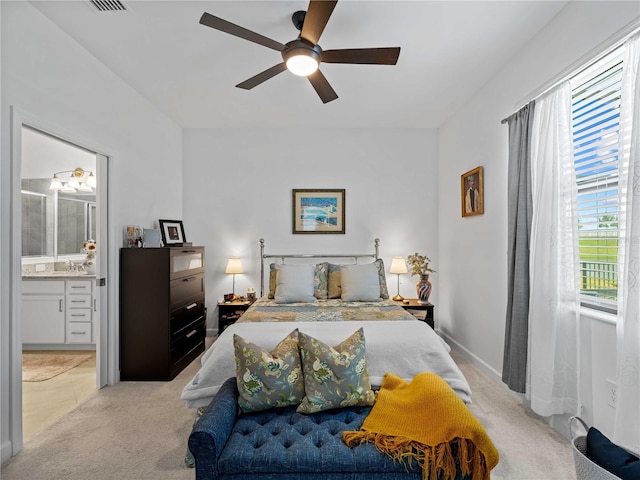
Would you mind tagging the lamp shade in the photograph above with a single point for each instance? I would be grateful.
(234, 265)
(91, 180)
(398, 266)
(56, 184)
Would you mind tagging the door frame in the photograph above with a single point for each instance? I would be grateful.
(106, 345)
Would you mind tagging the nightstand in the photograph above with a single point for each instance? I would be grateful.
(412, 304)
(229, 312)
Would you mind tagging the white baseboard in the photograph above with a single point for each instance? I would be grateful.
(476, 361)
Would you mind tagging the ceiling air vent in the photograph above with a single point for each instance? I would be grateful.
(109, 5)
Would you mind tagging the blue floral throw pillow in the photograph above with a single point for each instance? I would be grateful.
(268, 379)
(334, 376)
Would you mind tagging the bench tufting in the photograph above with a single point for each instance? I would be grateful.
(285, 445)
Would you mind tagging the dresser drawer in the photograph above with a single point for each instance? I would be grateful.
(79, 286)
(79, 301)
(185, 290)
(78, 315)
(79, 332)
(187, 347)
(186, 261)
(184, 317)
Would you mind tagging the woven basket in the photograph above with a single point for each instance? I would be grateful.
(585, 468)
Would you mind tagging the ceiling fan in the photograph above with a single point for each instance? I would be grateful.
(303, 55)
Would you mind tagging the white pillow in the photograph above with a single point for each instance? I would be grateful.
(360, 283)
(294, 284)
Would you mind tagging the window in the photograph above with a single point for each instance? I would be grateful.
(595, 118)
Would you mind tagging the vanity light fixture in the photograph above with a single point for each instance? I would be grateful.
(82, 180)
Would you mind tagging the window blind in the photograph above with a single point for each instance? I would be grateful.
(595, 123)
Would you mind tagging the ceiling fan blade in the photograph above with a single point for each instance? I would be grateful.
(371, 56)
(233, 29)
(263, 76)
(322, 87)
(316, 19)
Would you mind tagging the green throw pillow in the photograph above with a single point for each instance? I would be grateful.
(268, 379)
(321, 281)
(334, 376)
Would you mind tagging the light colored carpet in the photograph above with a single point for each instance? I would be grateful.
(138, 431)
(38, 366)
(529, 448)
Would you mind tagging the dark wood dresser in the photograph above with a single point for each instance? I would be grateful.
(162, 311)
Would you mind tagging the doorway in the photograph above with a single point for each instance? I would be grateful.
(63, 309)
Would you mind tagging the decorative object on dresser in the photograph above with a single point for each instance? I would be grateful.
(318, 211)
(230, 312)
(419, 265)
(399, 267)
(472, 191)
(162, 311)
(234, 267)
(132, 237)
(172, 233)
(151, 238)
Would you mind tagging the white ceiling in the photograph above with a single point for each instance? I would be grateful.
(450, 49)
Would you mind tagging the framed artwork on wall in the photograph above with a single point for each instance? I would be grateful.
(172, 232)
(472, 191)
(318, 211)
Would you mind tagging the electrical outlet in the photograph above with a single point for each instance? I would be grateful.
(611, 393)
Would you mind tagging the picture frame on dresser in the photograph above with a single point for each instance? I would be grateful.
(318, 211)
(172, 232)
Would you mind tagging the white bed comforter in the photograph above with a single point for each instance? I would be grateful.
(403, 348)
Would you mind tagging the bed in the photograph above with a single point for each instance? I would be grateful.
(396, 341)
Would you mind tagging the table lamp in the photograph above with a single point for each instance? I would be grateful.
(234, 266)
(398, 266)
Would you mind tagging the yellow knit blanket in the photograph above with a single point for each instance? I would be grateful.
(423, 420)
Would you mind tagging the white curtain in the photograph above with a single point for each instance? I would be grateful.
(552, 370)
(627, 414)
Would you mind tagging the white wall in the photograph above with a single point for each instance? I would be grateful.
(58, 86)
(473, 250)
(238, 186)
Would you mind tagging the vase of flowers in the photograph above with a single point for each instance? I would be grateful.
(419, 265)
(89, 263)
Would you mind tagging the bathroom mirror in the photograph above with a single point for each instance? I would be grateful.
(55, 224)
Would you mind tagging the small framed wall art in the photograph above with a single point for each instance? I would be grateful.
(318, 211)
(172, 232)
(472, 191)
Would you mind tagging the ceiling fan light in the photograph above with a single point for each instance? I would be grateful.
(302, 65)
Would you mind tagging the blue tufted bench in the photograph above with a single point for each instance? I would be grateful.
(285, 445)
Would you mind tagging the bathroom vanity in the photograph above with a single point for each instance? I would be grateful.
(58, 311)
